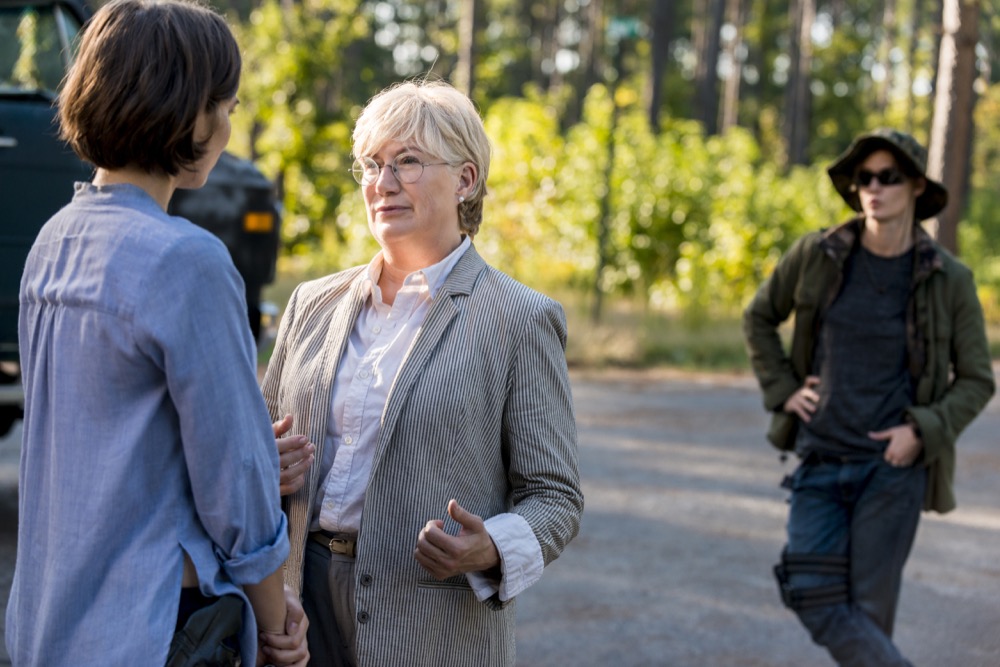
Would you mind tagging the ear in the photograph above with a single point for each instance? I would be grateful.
(919, 185)
(467, 179)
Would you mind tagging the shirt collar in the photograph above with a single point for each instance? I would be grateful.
(433, 275)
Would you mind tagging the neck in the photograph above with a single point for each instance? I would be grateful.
(158, 186)
(399, 263)
(390, 280)
(887, 239)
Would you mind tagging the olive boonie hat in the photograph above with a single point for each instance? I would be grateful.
(908, 153)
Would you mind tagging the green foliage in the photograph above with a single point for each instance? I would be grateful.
(526, 227)
(695, 223)
(292, 122)
(841, 91)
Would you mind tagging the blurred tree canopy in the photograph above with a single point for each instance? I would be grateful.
(696, 176)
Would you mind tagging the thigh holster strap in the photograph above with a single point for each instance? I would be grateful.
(814, 596)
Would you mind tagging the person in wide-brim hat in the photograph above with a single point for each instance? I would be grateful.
(888, 362)
(912, 159)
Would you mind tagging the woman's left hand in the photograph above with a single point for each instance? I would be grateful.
(444, 555)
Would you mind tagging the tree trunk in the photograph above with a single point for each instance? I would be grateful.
(937, 29)
(465, 68)
(798, 96)
(551, 77)
(590, 52)
(837, 9)
(954, 103)
(604, 221)
(706, 75)
(916, 20)
(736, 15)
(885, 55)
(662, 21)
(754, 91)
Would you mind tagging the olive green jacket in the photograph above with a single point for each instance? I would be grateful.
(947, 351)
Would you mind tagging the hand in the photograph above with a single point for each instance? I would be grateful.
(904, 445)
(296, 454)
(291, 648)
(444, 555)
(803, 402)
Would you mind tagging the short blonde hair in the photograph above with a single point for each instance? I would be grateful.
(442, 122)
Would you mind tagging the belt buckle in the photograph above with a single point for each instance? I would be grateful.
(339, 545)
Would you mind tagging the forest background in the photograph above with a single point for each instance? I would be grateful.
(652, 159)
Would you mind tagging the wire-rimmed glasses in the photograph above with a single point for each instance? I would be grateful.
(405, 167)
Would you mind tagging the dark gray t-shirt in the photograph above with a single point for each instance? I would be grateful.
(860, 358)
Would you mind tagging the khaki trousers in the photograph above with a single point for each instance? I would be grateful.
(328, 600)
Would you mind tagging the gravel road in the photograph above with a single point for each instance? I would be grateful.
(684, 520)
(683, 523)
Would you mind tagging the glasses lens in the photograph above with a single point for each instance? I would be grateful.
(888, 176)
(407, 168)
(364, 170)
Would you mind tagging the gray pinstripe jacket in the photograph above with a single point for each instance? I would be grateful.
(481, 411)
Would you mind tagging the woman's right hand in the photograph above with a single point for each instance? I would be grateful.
(290, 649)
(296, 455)
(803, 402)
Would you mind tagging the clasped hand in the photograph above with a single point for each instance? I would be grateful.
(289, 649)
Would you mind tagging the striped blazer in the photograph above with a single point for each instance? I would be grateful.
(480, 411)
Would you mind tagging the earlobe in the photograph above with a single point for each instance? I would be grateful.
(466, 180)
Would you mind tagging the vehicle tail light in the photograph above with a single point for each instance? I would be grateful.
(258, 222)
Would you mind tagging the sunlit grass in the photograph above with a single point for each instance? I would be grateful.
(628, 335)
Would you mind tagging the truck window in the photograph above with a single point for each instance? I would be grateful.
(36, 46)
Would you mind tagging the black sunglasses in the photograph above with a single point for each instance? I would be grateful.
(889, 176)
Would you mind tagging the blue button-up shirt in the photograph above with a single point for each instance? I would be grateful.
(145, 435)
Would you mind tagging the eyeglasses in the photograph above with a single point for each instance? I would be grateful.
(888, 176)
(405, 167)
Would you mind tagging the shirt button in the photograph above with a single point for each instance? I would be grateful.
(363, 617)
(376, 329)
(366, 580)
(363, 374)
(348, 440)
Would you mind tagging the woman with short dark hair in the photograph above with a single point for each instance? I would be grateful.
(149, 476)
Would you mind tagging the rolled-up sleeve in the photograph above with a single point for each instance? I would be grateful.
(196, 327)
(521, 563)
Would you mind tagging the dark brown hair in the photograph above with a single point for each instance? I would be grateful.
(144, 71)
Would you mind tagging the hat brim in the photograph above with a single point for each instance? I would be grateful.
(929, 203)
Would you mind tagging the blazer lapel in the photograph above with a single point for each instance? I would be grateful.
(445, 308)
(342, 320)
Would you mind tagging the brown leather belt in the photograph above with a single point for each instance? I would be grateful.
(338, 543)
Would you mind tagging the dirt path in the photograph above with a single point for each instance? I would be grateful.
(684, 520)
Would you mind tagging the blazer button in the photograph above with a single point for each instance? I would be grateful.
(366, 580)
(363, 617)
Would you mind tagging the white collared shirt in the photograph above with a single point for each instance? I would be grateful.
(377, 349)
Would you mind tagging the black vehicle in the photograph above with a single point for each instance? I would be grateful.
(37, 171)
